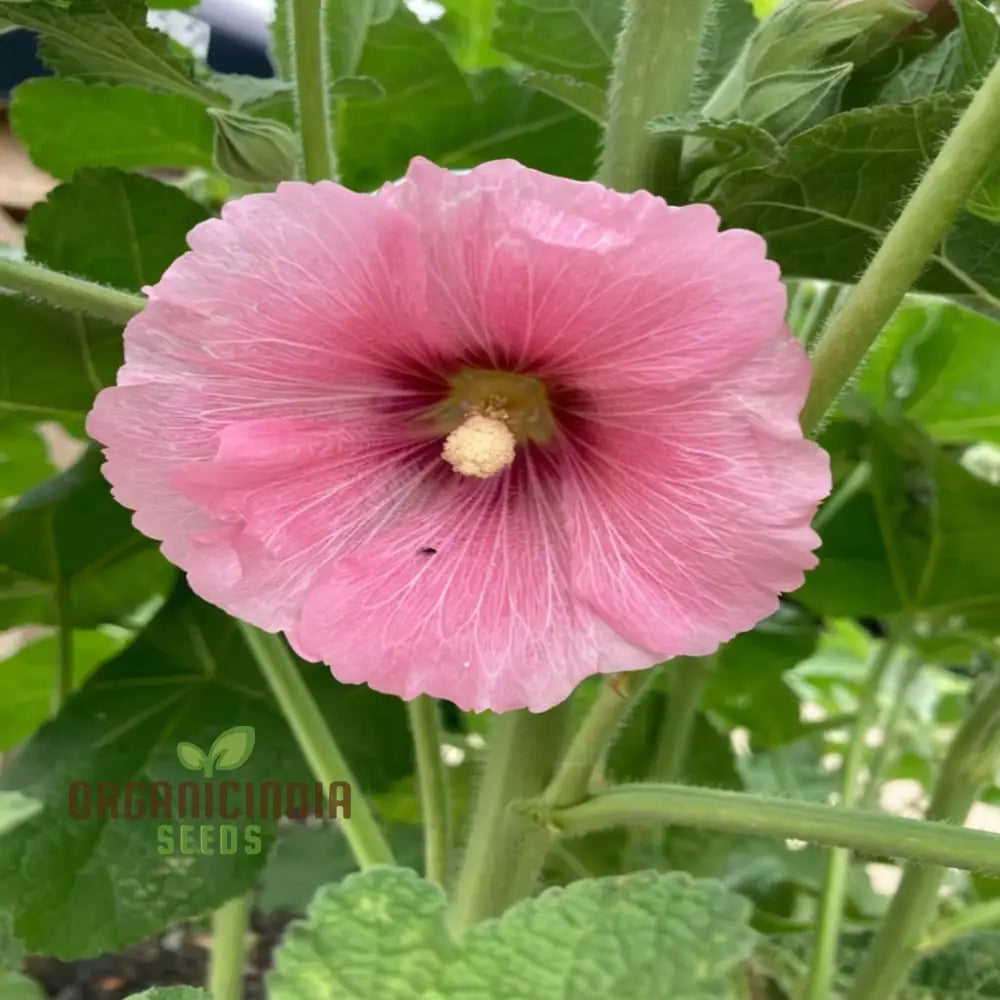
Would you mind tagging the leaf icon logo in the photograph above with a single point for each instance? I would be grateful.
(230, 750)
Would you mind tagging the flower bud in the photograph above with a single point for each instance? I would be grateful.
(257, 150)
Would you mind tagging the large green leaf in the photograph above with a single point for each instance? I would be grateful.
(68, 552)
(67, 124)
(106, 41)
(187, 678)
(430, 108)
(149, 220)
(26, 680)
(827, 200)
(24, 458)
(937, 363)
(574, 38)
(919, 539)
(53, 363)
(383, 933)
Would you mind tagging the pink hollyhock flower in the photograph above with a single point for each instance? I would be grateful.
(476, 435)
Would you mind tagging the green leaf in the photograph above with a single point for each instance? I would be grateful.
(67, 125)
(67, 542)
(583, 97)
(24, 457)
(826, 202)
(14, 986)
(107, 41)
(966, 969)
(647, 935)
(471, 23)
(192, 757)
(53, 363)
(232, 748)
(188, 676)
(712, 149)
(936, 362)
(16, 809)
(26, 680)
(69, 230)
(574, 38)
(790, 102)
(432, 109)
(957, 62)
(918, 539)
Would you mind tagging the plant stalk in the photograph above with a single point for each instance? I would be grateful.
(967, 767)
(523, 751)
(318, 746)
(432, 781)
(67, 292)
(655, 63)
(308, 41)
(831, 907)
(770, 816)
(968, 152)
(229, 949)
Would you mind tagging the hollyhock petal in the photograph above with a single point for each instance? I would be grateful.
(685, 530)
(599, 285)
(287, 393)
(467, 601)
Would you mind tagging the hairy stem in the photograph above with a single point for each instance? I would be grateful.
(523, 751)
(432, 780)
(831, 907)
(318, 746)
(308, 41)
(966, 155)
(769, 816)
(967, 767)
(653, 74)
(67, 292)
(228, 958)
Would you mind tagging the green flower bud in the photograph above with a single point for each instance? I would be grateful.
(257, 150)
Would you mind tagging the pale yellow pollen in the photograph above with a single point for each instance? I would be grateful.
(481, 446)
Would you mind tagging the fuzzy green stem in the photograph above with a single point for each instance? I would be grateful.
(768, 816)
(654, 70)
(967, 767)
(67, 292)
(973, 918)
(831, 907)
(361, 830)
(229, 949)
(571, 782)
(974, 144)
(523, 751)
(617, 697)
(309, 62)
(432, 781)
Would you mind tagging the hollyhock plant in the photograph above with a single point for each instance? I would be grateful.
(477, 435)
